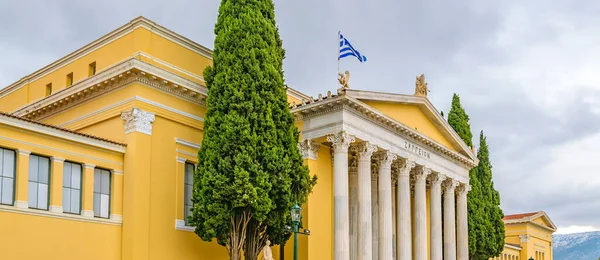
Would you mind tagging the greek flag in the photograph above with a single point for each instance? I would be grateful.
(346, 50)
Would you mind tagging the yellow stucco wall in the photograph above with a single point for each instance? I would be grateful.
(413, 117)
(39, 234)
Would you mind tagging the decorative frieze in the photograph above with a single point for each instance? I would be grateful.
(138, 120)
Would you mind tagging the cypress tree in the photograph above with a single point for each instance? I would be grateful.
(459, 120)
(486, 228)
(491, 241)
(250, 171)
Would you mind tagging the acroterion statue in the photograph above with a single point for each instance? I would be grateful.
(421, 88)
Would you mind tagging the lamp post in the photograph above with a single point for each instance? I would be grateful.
(531, 258)
(296, 216)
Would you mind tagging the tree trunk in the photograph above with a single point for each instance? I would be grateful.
(256, 239)
(237, 237)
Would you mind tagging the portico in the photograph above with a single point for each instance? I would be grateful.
(412, 170)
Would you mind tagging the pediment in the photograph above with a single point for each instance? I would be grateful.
(417, 113)
(542, 219)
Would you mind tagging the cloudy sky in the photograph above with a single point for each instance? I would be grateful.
(526, 71)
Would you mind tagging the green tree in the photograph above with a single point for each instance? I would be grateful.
(490, 231)
(459, 120)
(486, 228)
(250, 171)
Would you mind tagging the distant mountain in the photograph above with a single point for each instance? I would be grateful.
(578, 246)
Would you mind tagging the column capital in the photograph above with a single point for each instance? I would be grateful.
(386, 158)
(58, 159)
(449, 185)
(138, 120)
(407, 166)
(309, 149)
(463, 189)
(422, 173)
(23, 152)
(90, 166)
(436, 179)
(364, 150)
(524, 238)
(341, 141)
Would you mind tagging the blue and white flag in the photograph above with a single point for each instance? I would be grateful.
(346, 50)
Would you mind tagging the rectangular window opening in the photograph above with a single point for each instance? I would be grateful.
(70, 79)
(92, 69)
(7, 176)
(102, 179)
(49, 89)
(71, 188)
(188, 190)
(39, 182)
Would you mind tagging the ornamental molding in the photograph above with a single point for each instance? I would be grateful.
(309, 149)
(309, 109)
(524, 238)
(138, 120)
(116, 77)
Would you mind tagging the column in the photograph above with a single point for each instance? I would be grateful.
(403, 231)
(88, 191)
(420, 213)
(56, 184)
(116, 204)
(394, 218)
(385, 205)
(22, 179)
(137, 165)
(449, 222)
(365, 235)
(375, 213)
(462, 227)
(340, 143)
(353, 204)
(436, 216)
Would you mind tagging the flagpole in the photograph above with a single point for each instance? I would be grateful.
(338, 53)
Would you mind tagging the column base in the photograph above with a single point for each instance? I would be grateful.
(87, 213)
(21, 204)
(56, 209)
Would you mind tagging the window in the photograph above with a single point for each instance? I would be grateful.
(7, 176)
(70, 79)
(188, 188)
(71, 200)
(92, 69)
(39, 182)
(101, 193)
(49, 89)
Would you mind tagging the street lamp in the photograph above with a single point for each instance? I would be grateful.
(531, 258)
(296, 214)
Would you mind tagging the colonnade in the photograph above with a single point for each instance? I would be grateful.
(373, 220)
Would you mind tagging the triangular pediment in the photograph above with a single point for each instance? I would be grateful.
(416, 113)
(542, 219)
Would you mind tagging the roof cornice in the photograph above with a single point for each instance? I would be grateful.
(118, 76)
(529, 220)
(36, 127)
(411, 99)
(106, 39)
(310, 108)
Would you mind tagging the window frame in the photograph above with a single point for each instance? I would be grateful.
(37, 182)
(70, 79)
(92, 69)
(14, 178)
(82, 168)
(186, 214)
(110, 173)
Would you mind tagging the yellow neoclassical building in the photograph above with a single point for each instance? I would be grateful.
(97, 152)
(527, 235)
